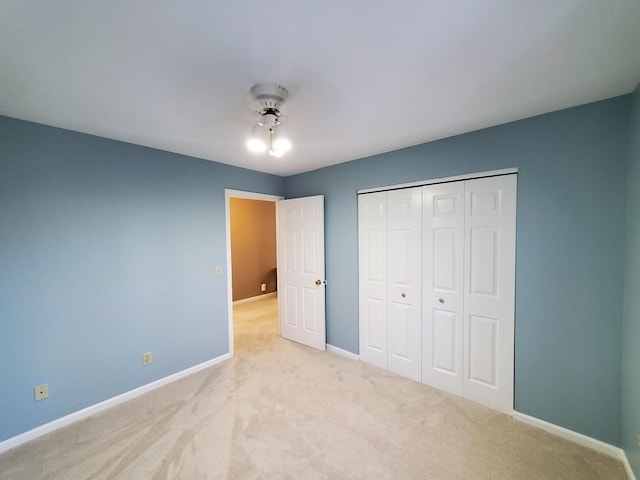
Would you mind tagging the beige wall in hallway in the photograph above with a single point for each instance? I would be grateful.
(253, 246)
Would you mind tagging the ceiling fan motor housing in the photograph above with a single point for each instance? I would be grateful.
(268, 98)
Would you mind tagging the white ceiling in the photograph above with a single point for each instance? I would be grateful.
(365, 76)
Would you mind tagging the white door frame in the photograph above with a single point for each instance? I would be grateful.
(228, 194)
(431, 181)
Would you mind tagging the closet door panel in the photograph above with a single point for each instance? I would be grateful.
(482, 350)
(446, 334)
(489, 299)
(443, 251)
(400, 347)
(404, 293)
(373, 308)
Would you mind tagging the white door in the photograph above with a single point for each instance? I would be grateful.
(489, 298)
(404, 270)
(301, 282)
(372, 231)
(443, 287)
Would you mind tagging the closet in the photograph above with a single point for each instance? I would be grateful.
(437, 285)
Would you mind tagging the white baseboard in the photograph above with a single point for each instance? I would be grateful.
(253, 299)
(344, 353)
(111, 402)
(578, 438)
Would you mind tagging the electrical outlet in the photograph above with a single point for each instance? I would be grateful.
(218, 270)
(41, 392)
(146, 358)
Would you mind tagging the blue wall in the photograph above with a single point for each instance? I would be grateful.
(107, 250)
(571, 197)
(631, 323)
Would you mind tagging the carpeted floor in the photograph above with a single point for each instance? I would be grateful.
(279, 410)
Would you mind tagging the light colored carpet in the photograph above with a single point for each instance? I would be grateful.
(279, 410)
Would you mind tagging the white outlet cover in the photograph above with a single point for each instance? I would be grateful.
(41, 392)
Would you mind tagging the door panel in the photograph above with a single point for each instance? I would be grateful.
(377, 257)
(290, 250)
(399, 336)
(290, 311)
(301, 299)
(445, 240)
(399, 260)
(489, 299)
(404, 225)
(484, 248)
(310, 310)
(376, 313)
(482, 350)
(309, 251)
(372, 230)
(445, 336)
(443, 295)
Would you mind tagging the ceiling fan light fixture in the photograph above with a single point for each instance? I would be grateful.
(280, 143)
(258, 141)
(268, 98)
(269, 120)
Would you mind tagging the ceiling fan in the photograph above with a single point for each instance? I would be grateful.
(267, 133)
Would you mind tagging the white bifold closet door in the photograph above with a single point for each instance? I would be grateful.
(469, 289)
(390, 230)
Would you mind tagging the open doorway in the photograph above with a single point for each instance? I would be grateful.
(251, 249)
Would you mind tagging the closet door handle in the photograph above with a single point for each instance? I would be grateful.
(404, 295)
(441, 300)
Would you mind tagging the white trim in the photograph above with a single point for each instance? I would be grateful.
(253, 299)
(572, 436)
(344, 353)
(421, 183)
(106, 404)
(579, 438)
(230, 193)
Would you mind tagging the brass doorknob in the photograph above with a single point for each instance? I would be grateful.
(318, 282)
(441, 300)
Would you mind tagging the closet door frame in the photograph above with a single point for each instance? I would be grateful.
(432, 181)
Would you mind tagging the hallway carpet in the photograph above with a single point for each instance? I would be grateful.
(279, 410)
